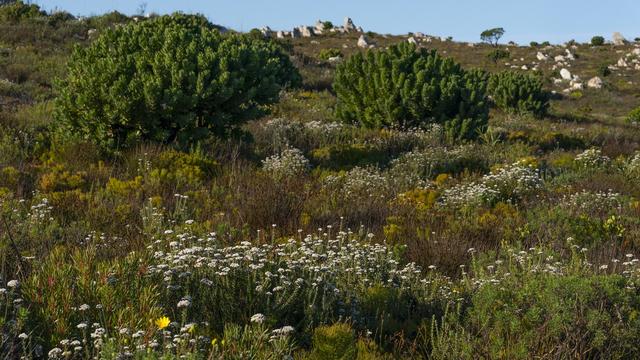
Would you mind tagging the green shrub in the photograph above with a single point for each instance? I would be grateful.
(173, 79)
(603, 70)
(408, 88)
(534, 44)
(325, 54)
(518, 92)
(597, 41)
(19, 11)
(498, 54)
(634, 115)
(335, 342)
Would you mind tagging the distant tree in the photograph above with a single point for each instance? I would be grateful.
(492, 36)
(327, 25)
(534, 44)
(597, 41)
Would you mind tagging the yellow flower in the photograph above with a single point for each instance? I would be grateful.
(162, 322)
(214, 342)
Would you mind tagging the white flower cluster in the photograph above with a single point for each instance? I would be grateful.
(289, 163)
(633, 166)
(509, 183)
(359, 184)
(592, 158)
(594, 202)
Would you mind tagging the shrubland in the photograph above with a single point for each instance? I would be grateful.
(427, 205)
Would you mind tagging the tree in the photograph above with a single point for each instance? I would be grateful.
(597, 41)
(518, 92)
(171, 79)
(492, 36)
(405, 87)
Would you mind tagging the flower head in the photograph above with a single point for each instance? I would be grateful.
(162, 322)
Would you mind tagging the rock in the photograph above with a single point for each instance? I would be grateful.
(419, 35)
(569, 55)
(557, 81)
(566, 74)
(280, 34)
(295, 33)
(636, 52)
(266, 31)
(335, 59)
(577, 86)
(363, 42)
(524, 67)
(471, 44)
(618, 39)
(541, 56)
(319, 26)
(622, 63)
(306, 31)
(559, 58)
(348, 24)
(595, 83)
(412, 40)
(91, 32)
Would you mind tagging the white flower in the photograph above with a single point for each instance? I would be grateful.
(258, 318)
(184, 303)
(82, 326)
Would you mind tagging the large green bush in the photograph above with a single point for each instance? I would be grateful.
(518, 92)
(17, 11)
(406, 88)
(172, 79)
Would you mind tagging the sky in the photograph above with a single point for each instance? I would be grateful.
(524, 21)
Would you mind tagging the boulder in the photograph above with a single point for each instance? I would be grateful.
(595, 83)
(319, 26)
(618, 39)
(542, 57)
(348, 24)
(622, 63)
(559, 58)
(412, 40)
(363, 42)
(419, 35)
(306, 31)
(295, 33)
(280, 34)
(565, 74)
(636, 52)
(91, 32)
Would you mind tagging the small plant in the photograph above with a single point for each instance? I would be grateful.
(498, 54)
(325, 54)
(534, 44)
(597, 41)
(335, 342)
(603, 70)
(518, 92)
(634, 116)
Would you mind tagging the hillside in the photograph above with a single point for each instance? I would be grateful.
(300, 233)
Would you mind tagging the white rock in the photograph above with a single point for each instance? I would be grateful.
(541, 56)
(306, 31)
(319, 26)
(558, 58)
(280, 34)
(622, 63)
(348, 24)
(566, 74)
(618, 39)
(335, 59)
(419, 35)
(412, 40)
(557, 81)
(91, 32)
(524, 67)
(636, 52)
(363, 42)
(595, 83)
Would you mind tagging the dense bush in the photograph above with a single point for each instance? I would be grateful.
(518, 92)
(408, 88)
(173, 79)
(597, 41)
(18, 11)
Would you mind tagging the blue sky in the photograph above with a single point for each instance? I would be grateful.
(524, 21)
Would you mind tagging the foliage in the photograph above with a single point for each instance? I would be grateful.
(325, 54)
(18, 11)
(492, 36)
(172, 79)
(597, 41)
(518, 92)
(498, 54)
(634, 116)
(408, 88)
